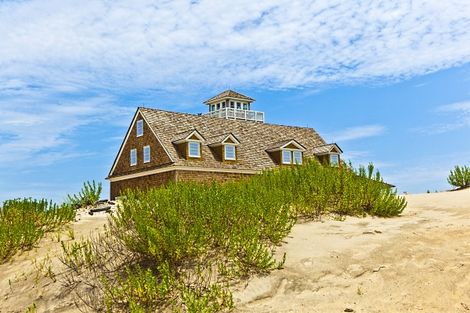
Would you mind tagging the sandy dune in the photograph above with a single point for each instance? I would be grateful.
(419, 262)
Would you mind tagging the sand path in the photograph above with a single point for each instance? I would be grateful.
(419, 262)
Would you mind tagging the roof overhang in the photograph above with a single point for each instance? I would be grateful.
(331, 148)
(193, 135)
(229, 139)
(285, 145)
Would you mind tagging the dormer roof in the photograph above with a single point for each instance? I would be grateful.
(188, 135)
(223, 139)
(286, 144)
(229, 94)
(327, 149)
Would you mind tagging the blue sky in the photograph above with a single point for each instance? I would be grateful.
(389, 81)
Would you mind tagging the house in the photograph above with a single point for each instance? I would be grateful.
(229, 142)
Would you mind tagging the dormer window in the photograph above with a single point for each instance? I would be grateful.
(140, 128)
(297, 157)
(229, 152)
(224, 146)
(287, 152)
(334, 159)
(328, 154)
(194, 149)
(189, 144)
(286, 157)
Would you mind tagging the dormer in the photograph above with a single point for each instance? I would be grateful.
(225, 147)
(189, 143)
(287, 152)
(233, 105)
(328, 154)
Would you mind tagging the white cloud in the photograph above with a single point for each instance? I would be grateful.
(277, 43)
(459, 113)
(358, 132)
(29, 133)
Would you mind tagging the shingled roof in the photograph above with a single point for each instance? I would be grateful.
(229, 94)
(255, 138)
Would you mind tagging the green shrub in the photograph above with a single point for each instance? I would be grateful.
(24, 221)
(180, 246)
(88, 195)
(459, 176)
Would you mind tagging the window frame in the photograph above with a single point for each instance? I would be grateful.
(294, 159)
(149, 154)
(189, 149)
(234, 152)
(133, 152)
(283, 160)
(336, 155)
(139, 123)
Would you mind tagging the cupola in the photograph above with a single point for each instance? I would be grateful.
(233, 105)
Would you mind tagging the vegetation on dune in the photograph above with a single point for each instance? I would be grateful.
(181, 246)
(88, 195)
(23, 222)
(459, 177)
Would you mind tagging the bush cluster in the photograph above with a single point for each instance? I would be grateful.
(459, 177)
(88, 195)
(179, 247)
(24, 221)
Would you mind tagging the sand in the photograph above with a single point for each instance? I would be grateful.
(24, 280)
(418, 262)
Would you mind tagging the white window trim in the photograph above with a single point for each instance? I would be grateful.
(189, 149)
(133, 151)
(234, 152)
(141, 123)
(294, 161)
(337, 155)
(282, 156)
(149, 154)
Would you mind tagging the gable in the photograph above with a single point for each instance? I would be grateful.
(158, 154)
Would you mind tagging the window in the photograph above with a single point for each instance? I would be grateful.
(239, 105)
(140, 128)
(146, 154)
(194, 149)
(133, 157)
(286, 157)
(232, 104)
(245, 106)
(213, 107)
(229, 153)
(218, 106)
(298, 157)
(334, 159)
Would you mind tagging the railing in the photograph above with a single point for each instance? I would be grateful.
(237, 114)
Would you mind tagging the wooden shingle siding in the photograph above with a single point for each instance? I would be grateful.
(158, 156)
(142, 183)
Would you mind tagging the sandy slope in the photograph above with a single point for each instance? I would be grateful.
(419, 262)
(23, 280)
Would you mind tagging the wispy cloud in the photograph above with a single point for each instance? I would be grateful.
(459, 112)
(177, 44)
(358, 132)
(39, 134)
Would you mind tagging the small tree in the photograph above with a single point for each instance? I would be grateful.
(459, 176)
(89, 194)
